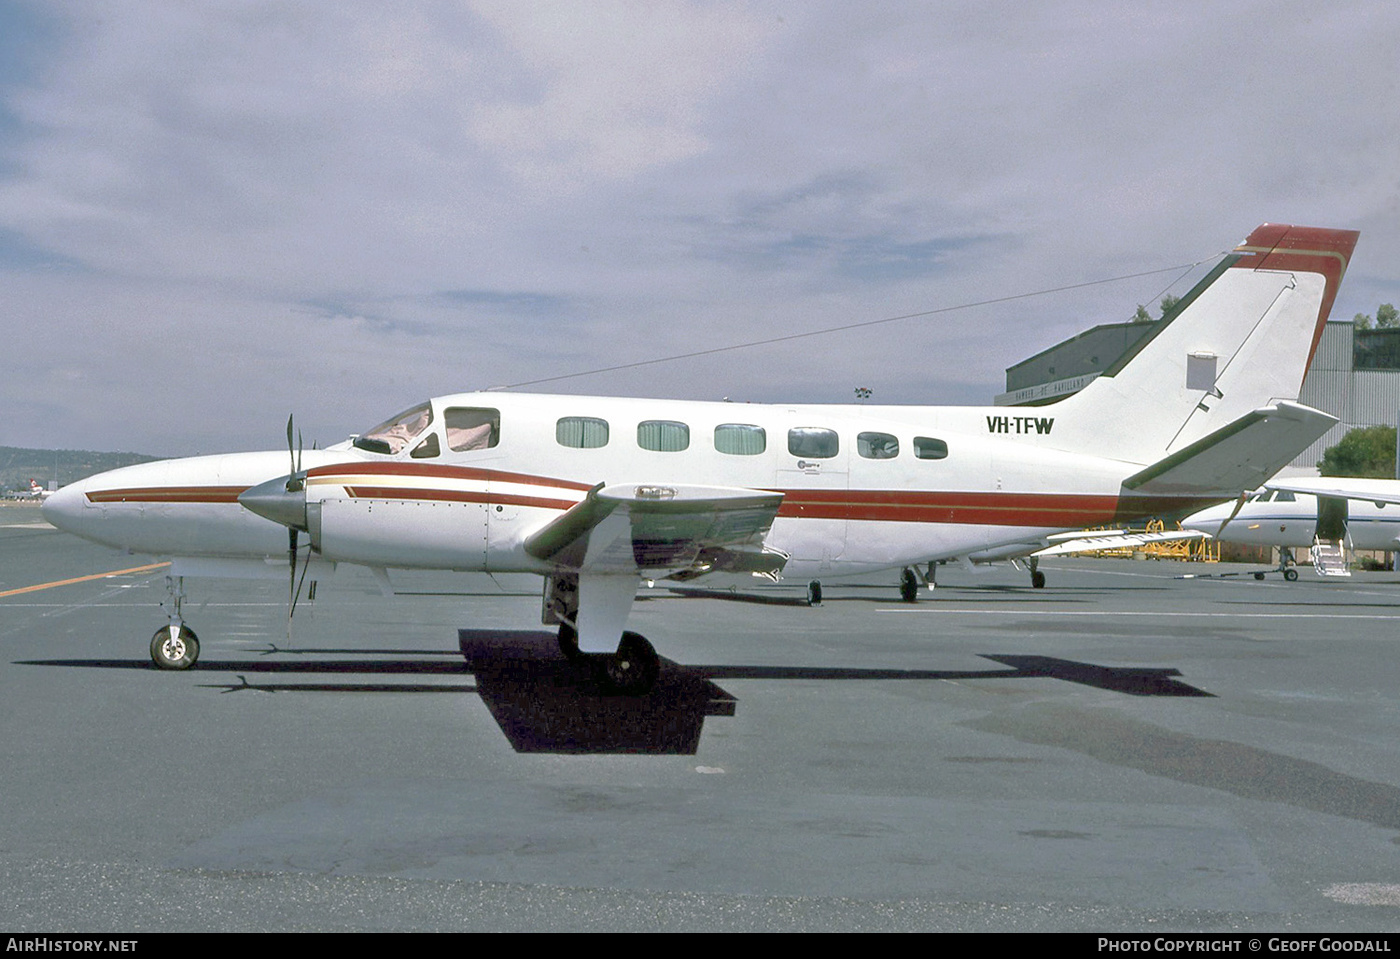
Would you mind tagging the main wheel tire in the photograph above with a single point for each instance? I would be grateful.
(908, 586)
(1291, 575)
(179, 651)
(1037, 580)
(814, 593)
(633, 669)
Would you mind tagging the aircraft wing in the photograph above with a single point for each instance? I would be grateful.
(663, 530)
(1112, 539)
(1239, 456)
(1377, 491)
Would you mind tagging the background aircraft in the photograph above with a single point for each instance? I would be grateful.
(595, 494)
(1331, 516)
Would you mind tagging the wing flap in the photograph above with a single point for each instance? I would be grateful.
(663, 530)
(1084, 542)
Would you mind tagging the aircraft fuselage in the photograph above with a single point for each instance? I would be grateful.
(863, 488)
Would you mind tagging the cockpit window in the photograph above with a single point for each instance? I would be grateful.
(392, 436)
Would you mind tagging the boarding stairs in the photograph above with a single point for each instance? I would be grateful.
(1331, 557)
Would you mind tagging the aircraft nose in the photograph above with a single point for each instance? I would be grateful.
(65, 508)
(1206, 521)
(282, 500)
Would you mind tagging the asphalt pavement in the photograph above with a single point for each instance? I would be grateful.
(1122, 750)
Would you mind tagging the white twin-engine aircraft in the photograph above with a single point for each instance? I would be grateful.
(1331, 516)
(596, 494)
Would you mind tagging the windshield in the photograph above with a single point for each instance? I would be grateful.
(394, 434)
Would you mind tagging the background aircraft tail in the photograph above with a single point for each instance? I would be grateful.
(1241, 340)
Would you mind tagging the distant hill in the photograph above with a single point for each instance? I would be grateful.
(18, 465)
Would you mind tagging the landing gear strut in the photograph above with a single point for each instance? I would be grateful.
(174, 646)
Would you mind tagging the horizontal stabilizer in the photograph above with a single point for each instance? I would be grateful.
(1240, 455)
(663, 530)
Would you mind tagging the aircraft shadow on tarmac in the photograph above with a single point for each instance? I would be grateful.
(546, 703)
(885, 596)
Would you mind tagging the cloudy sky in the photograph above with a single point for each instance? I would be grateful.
(213, 214)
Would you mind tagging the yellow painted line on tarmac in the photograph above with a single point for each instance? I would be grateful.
(84, 579)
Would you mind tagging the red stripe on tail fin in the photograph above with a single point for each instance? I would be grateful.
(1305, 249)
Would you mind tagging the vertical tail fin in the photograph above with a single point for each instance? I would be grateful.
(1242, 339)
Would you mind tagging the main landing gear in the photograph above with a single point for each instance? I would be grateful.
(631, 671)
(908, 586)
(1037, 577)
(174, 646)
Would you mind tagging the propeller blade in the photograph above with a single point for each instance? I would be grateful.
(296, 596)
(1239, 505)
(290, 457)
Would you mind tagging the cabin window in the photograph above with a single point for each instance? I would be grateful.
(393, 435)
(929, 449)
(581, 432)
(663, 436)
(813, 441)
(877, 446)
(472, 429)
(740, 439)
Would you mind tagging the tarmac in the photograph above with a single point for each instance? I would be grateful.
(1120, 751)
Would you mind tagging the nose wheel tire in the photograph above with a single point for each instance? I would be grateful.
(174, 648)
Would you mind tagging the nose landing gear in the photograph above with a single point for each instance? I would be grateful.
(174, 646)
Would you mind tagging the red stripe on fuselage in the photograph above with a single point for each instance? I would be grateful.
(444, 472)
(1058, 510)
(168, 494)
